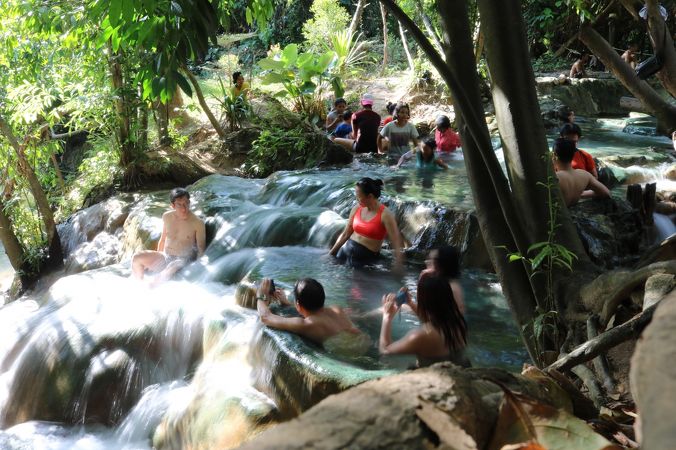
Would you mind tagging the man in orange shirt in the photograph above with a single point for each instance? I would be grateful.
(581, 160)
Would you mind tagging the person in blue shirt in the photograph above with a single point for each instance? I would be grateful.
(344, 130)
(425, 156)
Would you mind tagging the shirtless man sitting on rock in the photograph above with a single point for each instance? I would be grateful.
(318, 323)
(574, 183)
(182, 240)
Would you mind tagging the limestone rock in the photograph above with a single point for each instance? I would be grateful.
(657, 287)
(84, 225)
(671, 172)
(100, 252)
(442, 406)
(588, 96)
(653, 379)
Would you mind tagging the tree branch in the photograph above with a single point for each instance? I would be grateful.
(631, 329)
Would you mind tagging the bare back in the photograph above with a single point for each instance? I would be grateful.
(184, 237)
(573, 182)
(325, 323)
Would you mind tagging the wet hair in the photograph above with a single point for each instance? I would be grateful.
(309, 294)
(235, 76)
(347, 115)
(177, 193)
(370, 186)
(570, 128)
(399, 107)
(442, 122)
(564, 149)
(447, 261)
(390, 107)
(437, 306)
(430, 142)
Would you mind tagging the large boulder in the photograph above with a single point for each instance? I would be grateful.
(611, 231)
(587, 96)
(102, 251)
(439, 407)
(653, 379)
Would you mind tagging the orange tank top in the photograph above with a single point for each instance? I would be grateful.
(374, 228)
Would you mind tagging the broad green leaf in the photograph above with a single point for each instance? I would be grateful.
(290, 54)
(536, 246)
(183, 84)
(114, 12)
(271, 64)
(273, 77)
(540, 257)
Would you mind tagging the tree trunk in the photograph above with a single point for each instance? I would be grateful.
(428, 27)
(59, 175)
(143, 126)
(663, 46)
(13, 247)
(630, 6)
(404, 42)
(663, 111)
(517, 109)
(200, 97)
(478, 45)
(356, 17)
(53, 242)
(127, 150)
(162, 120)
(383, 15)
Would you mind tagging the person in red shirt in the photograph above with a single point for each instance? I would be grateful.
(581, 160)
(447, 140)
(365, 123)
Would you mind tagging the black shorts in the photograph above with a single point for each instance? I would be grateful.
(354, 254)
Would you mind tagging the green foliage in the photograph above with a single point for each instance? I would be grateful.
(352, 52)
(329, 18)
(304, 76)
(550, 63)
(98, 169)
(236, 108)
(277, 149)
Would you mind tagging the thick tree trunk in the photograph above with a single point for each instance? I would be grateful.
(663, 111)
(517, 110)
(13, 247)
(356, 17)
(630, 6)
(383, 15)
(53, 242)
(404, 42)
(200, 97)
(663, 46)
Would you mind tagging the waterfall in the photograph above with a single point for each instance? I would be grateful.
(664, 226)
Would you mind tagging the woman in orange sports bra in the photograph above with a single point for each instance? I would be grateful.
(369, 223)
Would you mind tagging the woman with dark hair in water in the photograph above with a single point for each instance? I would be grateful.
(369, 223)
(442, 335)
(445, 262)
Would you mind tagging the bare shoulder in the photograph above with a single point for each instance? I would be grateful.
(196, 220)
(169, 215)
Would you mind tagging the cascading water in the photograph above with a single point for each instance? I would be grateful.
(104, 362)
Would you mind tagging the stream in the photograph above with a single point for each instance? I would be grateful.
(101, 361)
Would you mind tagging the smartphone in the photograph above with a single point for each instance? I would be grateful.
(272, 287)
(401, 298)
